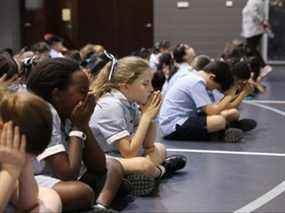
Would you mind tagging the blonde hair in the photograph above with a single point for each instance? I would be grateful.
(86, 50)
(91, 48)
(99, 49)
(128, 69)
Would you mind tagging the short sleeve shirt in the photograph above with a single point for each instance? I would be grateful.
(184, 70)
(114, 118)
(188, 95)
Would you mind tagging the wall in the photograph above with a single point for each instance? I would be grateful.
(10, 24)
(206, 24)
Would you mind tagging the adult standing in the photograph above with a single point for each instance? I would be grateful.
(254, 25)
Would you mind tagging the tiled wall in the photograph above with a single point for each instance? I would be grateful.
(206, 24)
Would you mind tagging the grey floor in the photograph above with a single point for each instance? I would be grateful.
(225, 182)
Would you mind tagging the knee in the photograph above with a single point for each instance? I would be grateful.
(75, 192)
(147, 167)
(220, 122)
(49, 200)
(84, 192)
(160, 147)
(233, 115)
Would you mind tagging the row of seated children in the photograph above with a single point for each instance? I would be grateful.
(116, 123)
(123, 120)
(202, 96)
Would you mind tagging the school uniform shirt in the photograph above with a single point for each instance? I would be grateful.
(216, 95)
(253, 14)
(188, 95)
(58, 144)
(55, 54)
(114, 118)
(184, 70)
(153, 61)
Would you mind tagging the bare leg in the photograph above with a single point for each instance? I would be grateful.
(140, 165)
(231, 115)
(74, 195)
(155, 152)
(215, 123)
(49, 201)
(112, 183)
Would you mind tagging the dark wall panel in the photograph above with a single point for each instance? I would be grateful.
(10, 24)
(206, 24)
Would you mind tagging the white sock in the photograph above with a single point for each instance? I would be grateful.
(100, 206)
(162, 170)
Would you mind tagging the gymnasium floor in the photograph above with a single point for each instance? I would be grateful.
(219, 177)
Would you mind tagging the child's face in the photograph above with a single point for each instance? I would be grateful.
(140, 90)
(190, 54)
(76, 92)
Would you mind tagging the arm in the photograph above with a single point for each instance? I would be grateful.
(92, 150)
(93, 156)
(56, 154)
(8, 182)
(28, 189)
(247, 89)
(217, 108)
(69, 161)
(12, 159)
(129, 148)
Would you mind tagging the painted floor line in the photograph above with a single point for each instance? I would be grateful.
(277, 190)
(265, 101)
(227, 152)
(280, 112)
(261, 201)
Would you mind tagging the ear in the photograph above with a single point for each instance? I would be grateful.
(123, 86)
(212, 76)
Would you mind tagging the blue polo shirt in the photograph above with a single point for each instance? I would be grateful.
(114, 118)
(184, 70)
(188, 95)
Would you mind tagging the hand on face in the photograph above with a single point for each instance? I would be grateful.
(12, 149)
(151, 108)
(83, 110)
(248, 88)
(232, 91)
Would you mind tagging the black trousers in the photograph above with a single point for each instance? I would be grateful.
(253, 44)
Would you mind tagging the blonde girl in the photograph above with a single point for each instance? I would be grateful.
(123, 130)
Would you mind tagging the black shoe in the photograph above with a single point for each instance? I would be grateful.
(173, 163)
(142, 185)
(244, 124)
(233, 135)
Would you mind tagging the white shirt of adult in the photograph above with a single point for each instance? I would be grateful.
(253, 14)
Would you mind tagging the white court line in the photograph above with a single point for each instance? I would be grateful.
(265, 101)
(227, 152)
(267, 197)
(280, 112)
(277, 190)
